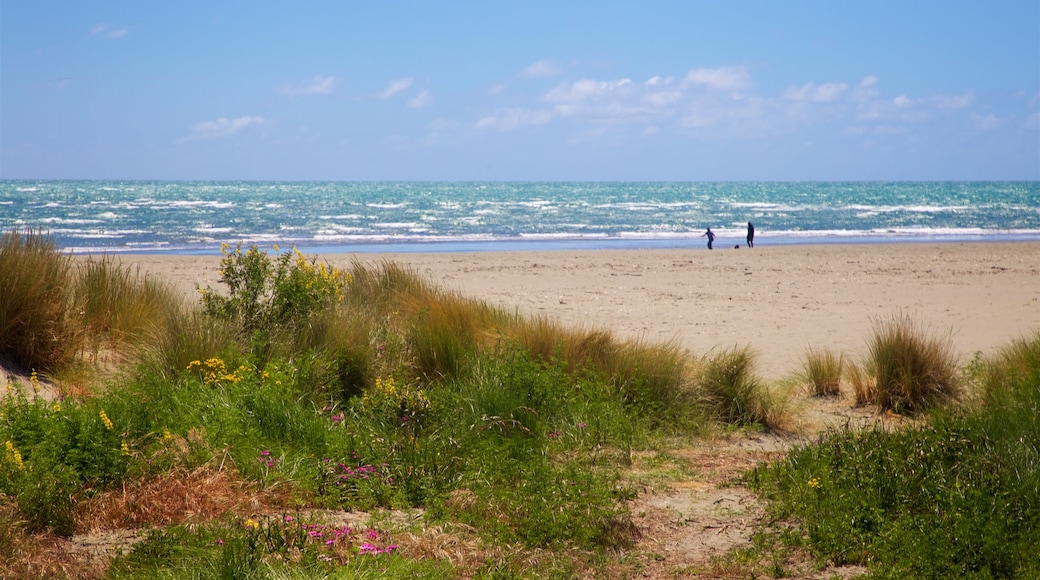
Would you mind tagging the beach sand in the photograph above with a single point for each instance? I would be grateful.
(777, 300)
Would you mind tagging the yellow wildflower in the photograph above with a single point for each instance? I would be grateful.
(166, 435)
(105, 420)
(814, 483)
(35, 380)
(13, 455)
(252, 524)
(124, 449)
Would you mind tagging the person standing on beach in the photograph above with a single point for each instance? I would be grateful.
(711, 237)
(750, 235)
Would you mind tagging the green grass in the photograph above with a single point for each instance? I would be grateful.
(957, 498)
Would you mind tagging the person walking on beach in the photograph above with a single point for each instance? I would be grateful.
(711, 237)
(750, 235)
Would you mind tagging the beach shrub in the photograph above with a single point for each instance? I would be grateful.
(822, 370)
(37, 330)
(911, 370)
(263, 295)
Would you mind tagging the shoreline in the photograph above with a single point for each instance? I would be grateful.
(779, 300)
(726, 238)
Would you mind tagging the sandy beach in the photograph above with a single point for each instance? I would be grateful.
(778, 300)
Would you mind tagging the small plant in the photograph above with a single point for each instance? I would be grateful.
(912, 371)
(823, 370)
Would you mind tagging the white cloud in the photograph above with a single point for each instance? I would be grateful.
(541, 69)
(726, 78)
(421, 101)
(396, 86)
(512, 118)
(584, 90)
(824, 93)
(105, 30)
(955, 101)
(985, 122)
(220, 128)
(319, 85)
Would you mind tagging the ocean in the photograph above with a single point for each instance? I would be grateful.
(197, 217)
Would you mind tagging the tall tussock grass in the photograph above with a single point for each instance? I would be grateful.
(119, 304)
(732, 392)
(37, 326)
(823, 370)
(1017, 362)
(912, 370)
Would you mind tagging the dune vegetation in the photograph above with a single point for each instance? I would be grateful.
(244, 429)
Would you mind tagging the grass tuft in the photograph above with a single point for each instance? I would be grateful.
(912, 371)
(822, 370)
(733, 393)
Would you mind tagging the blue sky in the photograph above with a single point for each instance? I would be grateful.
(531, 90)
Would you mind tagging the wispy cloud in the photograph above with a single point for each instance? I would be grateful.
(105, 30)
(726, 78)
(541, 69)
(421, 101)
(985, 122)
(511, 118)
(319, 85)
(396, 86)
(823, 93)
(221, 128)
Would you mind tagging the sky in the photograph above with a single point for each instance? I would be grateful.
(532, 90)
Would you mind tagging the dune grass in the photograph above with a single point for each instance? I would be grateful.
(732, 392)
(822, 370)
(912, 371)
(956, 498)
(38, 329)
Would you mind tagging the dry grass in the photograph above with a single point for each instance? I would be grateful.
(822, 370)
(175, 497)
(912, 371)
(36, 328)
(862, 384)
(119, 304)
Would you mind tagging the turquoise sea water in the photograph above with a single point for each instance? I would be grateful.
(196, 217)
